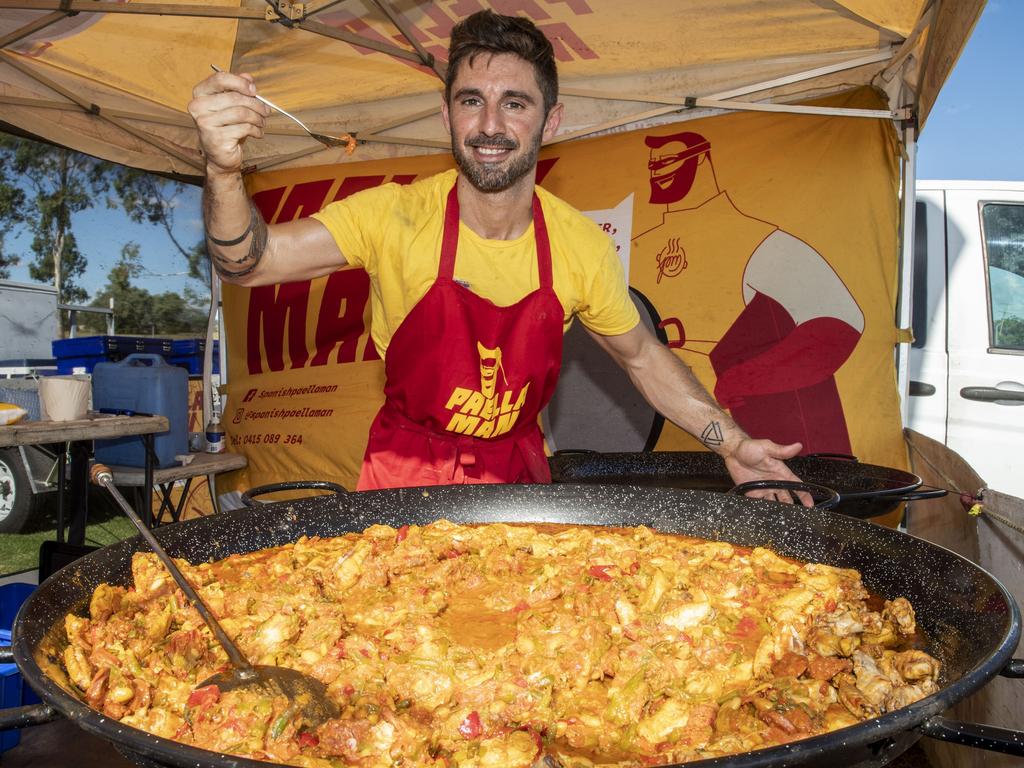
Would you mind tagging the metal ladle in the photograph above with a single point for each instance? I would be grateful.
(307, 695)
(348, 140)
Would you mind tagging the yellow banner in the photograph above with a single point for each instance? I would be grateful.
(764, 247)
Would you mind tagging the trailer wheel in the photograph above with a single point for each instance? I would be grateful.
(17, 501)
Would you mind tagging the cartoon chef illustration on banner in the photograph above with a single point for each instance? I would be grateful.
(761, 312)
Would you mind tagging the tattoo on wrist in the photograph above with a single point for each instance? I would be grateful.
(234, 240)
(712, 435)
(257, 230)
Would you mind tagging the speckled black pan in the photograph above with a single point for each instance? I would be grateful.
(973, 623)
(865, 490)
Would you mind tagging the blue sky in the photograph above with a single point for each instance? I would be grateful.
(974, 132)
(976, 126)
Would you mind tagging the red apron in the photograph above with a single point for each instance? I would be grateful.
(465, 381)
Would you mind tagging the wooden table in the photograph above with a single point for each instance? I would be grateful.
(79, 433)
(99, 426)
(163, 481)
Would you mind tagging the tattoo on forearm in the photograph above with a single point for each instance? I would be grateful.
(257, 230)
(712, 435)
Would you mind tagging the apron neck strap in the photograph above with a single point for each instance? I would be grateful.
(450, 239)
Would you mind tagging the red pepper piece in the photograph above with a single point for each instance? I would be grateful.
(600, 572)
(746, 627)
(307, 739)
(402, 533)
(471, 727)
(204, 696)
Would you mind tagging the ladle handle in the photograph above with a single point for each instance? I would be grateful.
(102, 476)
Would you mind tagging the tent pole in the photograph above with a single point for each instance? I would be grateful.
(41, 23)
(904, 303)
(13, 61)
(428, 59)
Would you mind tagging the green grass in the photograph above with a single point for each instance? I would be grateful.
(20, 551)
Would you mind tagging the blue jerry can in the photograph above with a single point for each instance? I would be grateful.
(142, 384)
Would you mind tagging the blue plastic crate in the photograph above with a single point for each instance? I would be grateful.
(81, 354)
(11, 597)
(157, 346)
(189, 353)
(13, 690)
(107, 347)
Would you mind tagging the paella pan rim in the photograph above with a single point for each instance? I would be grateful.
(707, 471)
(366, 508)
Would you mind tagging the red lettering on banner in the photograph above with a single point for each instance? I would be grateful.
(561, 35)
(270, 307)
(267, 201)
(526, 7)
(341, 318)
(443, 23)
(353, 184)
(579, 7)
(305, 200)
(436, 25)
(195, 411)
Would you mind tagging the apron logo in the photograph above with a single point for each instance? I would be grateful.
(486, 412)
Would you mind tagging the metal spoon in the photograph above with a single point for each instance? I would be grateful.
(348, 140)
(307, 695)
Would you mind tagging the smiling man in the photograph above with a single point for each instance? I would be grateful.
(476, 273)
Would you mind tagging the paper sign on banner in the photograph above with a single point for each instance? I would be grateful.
(618, 223)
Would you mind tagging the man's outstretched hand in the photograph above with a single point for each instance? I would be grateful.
(763, 460)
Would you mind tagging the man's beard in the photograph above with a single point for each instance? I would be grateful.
(682, 183)
(495, 177)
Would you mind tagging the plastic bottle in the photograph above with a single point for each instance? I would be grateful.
(215, 442)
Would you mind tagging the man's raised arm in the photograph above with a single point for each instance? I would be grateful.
(242, 247)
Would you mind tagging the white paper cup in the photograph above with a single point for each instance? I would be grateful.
(64, 398)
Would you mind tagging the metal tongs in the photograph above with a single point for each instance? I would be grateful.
(307, 695)
(348, 140)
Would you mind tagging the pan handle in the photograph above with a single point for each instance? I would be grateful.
(918, 494)
(1014, 668)
(828, 497)
(248, 497)
(22, 717)
(837, 456)
(987, 737)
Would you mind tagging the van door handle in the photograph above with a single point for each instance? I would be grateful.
(920, 389)
(991, 394)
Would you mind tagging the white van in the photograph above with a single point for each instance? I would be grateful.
(967, 360)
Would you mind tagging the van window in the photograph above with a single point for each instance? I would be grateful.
(1003, 226)
(919, 290)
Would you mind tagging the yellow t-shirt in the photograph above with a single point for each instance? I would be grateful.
(394, 233)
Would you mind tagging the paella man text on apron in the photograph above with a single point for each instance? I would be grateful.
(475, 274)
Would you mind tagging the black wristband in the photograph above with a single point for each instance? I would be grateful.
(237, 240)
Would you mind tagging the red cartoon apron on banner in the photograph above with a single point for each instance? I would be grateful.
(465, 381)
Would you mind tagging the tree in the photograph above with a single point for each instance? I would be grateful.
(136, 310)
(12, 203)
(58, 183)
(43, 186)
(147, 198)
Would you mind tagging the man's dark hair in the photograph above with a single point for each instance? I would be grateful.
(489, 32)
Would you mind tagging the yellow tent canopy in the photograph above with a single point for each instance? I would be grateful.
(112, 78)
